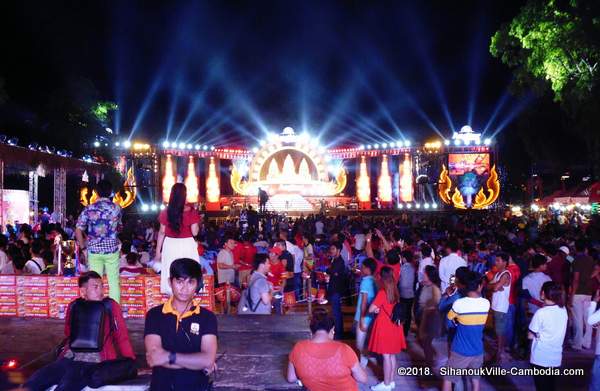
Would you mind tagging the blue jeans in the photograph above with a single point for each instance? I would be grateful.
(298, 285)
(69, 375)
(336, 308)
(510, 326)
(595, 380)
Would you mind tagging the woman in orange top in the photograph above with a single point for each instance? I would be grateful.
(387, 338)
(321, 363)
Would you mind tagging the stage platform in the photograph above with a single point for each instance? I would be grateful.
(252, 351)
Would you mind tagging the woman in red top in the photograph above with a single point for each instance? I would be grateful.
(179, 223)
(387, 338)
(321, 363)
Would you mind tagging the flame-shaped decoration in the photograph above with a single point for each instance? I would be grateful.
(457, 200)
(493, 188)
(238, 184)
(444, 186)
(191, 182)
(481, 199)
(168, 179)
(213, 193)
(384, 184)
(341, 180)
(129, 188)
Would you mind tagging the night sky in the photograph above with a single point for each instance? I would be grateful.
(229, 72)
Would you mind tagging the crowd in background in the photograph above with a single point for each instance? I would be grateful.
(535, 276)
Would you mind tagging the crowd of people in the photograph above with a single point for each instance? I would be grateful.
(533, 278)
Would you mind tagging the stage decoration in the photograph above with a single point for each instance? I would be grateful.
(212, 183)
(384, 184)
(191, 182)
(168, 179)
(363, 185)
(287, 164)
(467, 188)
(406, 180)
(129, 189)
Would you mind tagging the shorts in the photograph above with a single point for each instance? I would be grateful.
(463, 362)
(500, 319)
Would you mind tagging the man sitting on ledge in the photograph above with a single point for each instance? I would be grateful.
(180, 336)
(71, 372)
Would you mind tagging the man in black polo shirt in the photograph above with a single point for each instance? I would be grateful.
(180, 336)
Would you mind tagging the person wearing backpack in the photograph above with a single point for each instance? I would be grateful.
(387, 335)
(87, 344)
(256, 299)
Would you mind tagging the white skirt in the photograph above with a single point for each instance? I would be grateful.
(172, 249)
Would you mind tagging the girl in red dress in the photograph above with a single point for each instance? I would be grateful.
(387, 338)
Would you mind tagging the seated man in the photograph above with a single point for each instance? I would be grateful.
(71, 372)
(180, 336)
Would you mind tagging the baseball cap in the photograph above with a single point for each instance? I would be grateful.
(564, 249)
(275, 250)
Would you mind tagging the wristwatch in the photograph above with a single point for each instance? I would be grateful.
(172, 358)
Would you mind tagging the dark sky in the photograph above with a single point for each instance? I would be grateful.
(228, 71)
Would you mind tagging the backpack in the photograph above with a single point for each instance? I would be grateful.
(87, 324)
(249, 308)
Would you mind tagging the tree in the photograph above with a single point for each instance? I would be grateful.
(554, 47)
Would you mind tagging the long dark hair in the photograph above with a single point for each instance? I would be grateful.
(388, 284)
(433, 275)
(176, 204)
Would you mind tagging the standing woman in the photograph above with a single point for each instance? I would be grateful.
(179, 223)
(429, 316)
(387, 338)
(547, 330)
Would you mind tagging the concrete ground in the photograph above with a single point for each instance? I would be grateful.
(253, 353)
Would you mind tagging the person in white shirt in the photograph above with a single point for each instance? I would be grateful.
(450, 263)
(36, 264)
(426, 260)
(593, 319)
(6, 265)
(500, 286)
(547, 332)
(225, 265)
(319, 227)
(533, 282)
(360, 240)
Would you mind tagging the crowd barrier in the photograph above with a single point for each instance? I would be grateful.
(42, 296)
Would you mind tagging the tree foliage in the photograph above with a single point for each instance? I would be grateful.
(553, 46)
(554, 42)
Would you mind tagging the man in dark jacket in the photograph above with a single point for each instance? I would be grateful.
(337, 287)
(71, 371)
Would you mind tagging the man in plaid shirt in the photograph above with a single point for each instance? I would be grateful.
(101, 221)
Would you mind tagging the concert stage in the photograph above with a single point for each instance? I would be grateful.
(252, 353)
(302, 176)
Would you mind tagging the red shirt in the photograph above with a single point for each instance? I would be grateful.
(274, 275)
(119, 336)
(185, 230)
(243, 255)
(515, 273)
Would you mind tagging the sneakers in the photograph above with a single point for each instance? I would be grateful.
(383, 387)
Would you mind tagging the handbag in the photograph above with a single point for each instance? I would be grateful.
(112, 372)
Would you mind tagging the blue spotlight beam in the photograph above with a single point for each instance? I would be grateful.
(514, 112)
(497, 109)
(147, 101)
(173, 106)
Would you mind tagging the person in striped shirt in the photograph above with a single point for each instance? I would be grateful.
(468, 315)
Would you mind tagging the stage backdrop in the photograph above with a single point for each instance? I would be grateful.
(15, 206)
